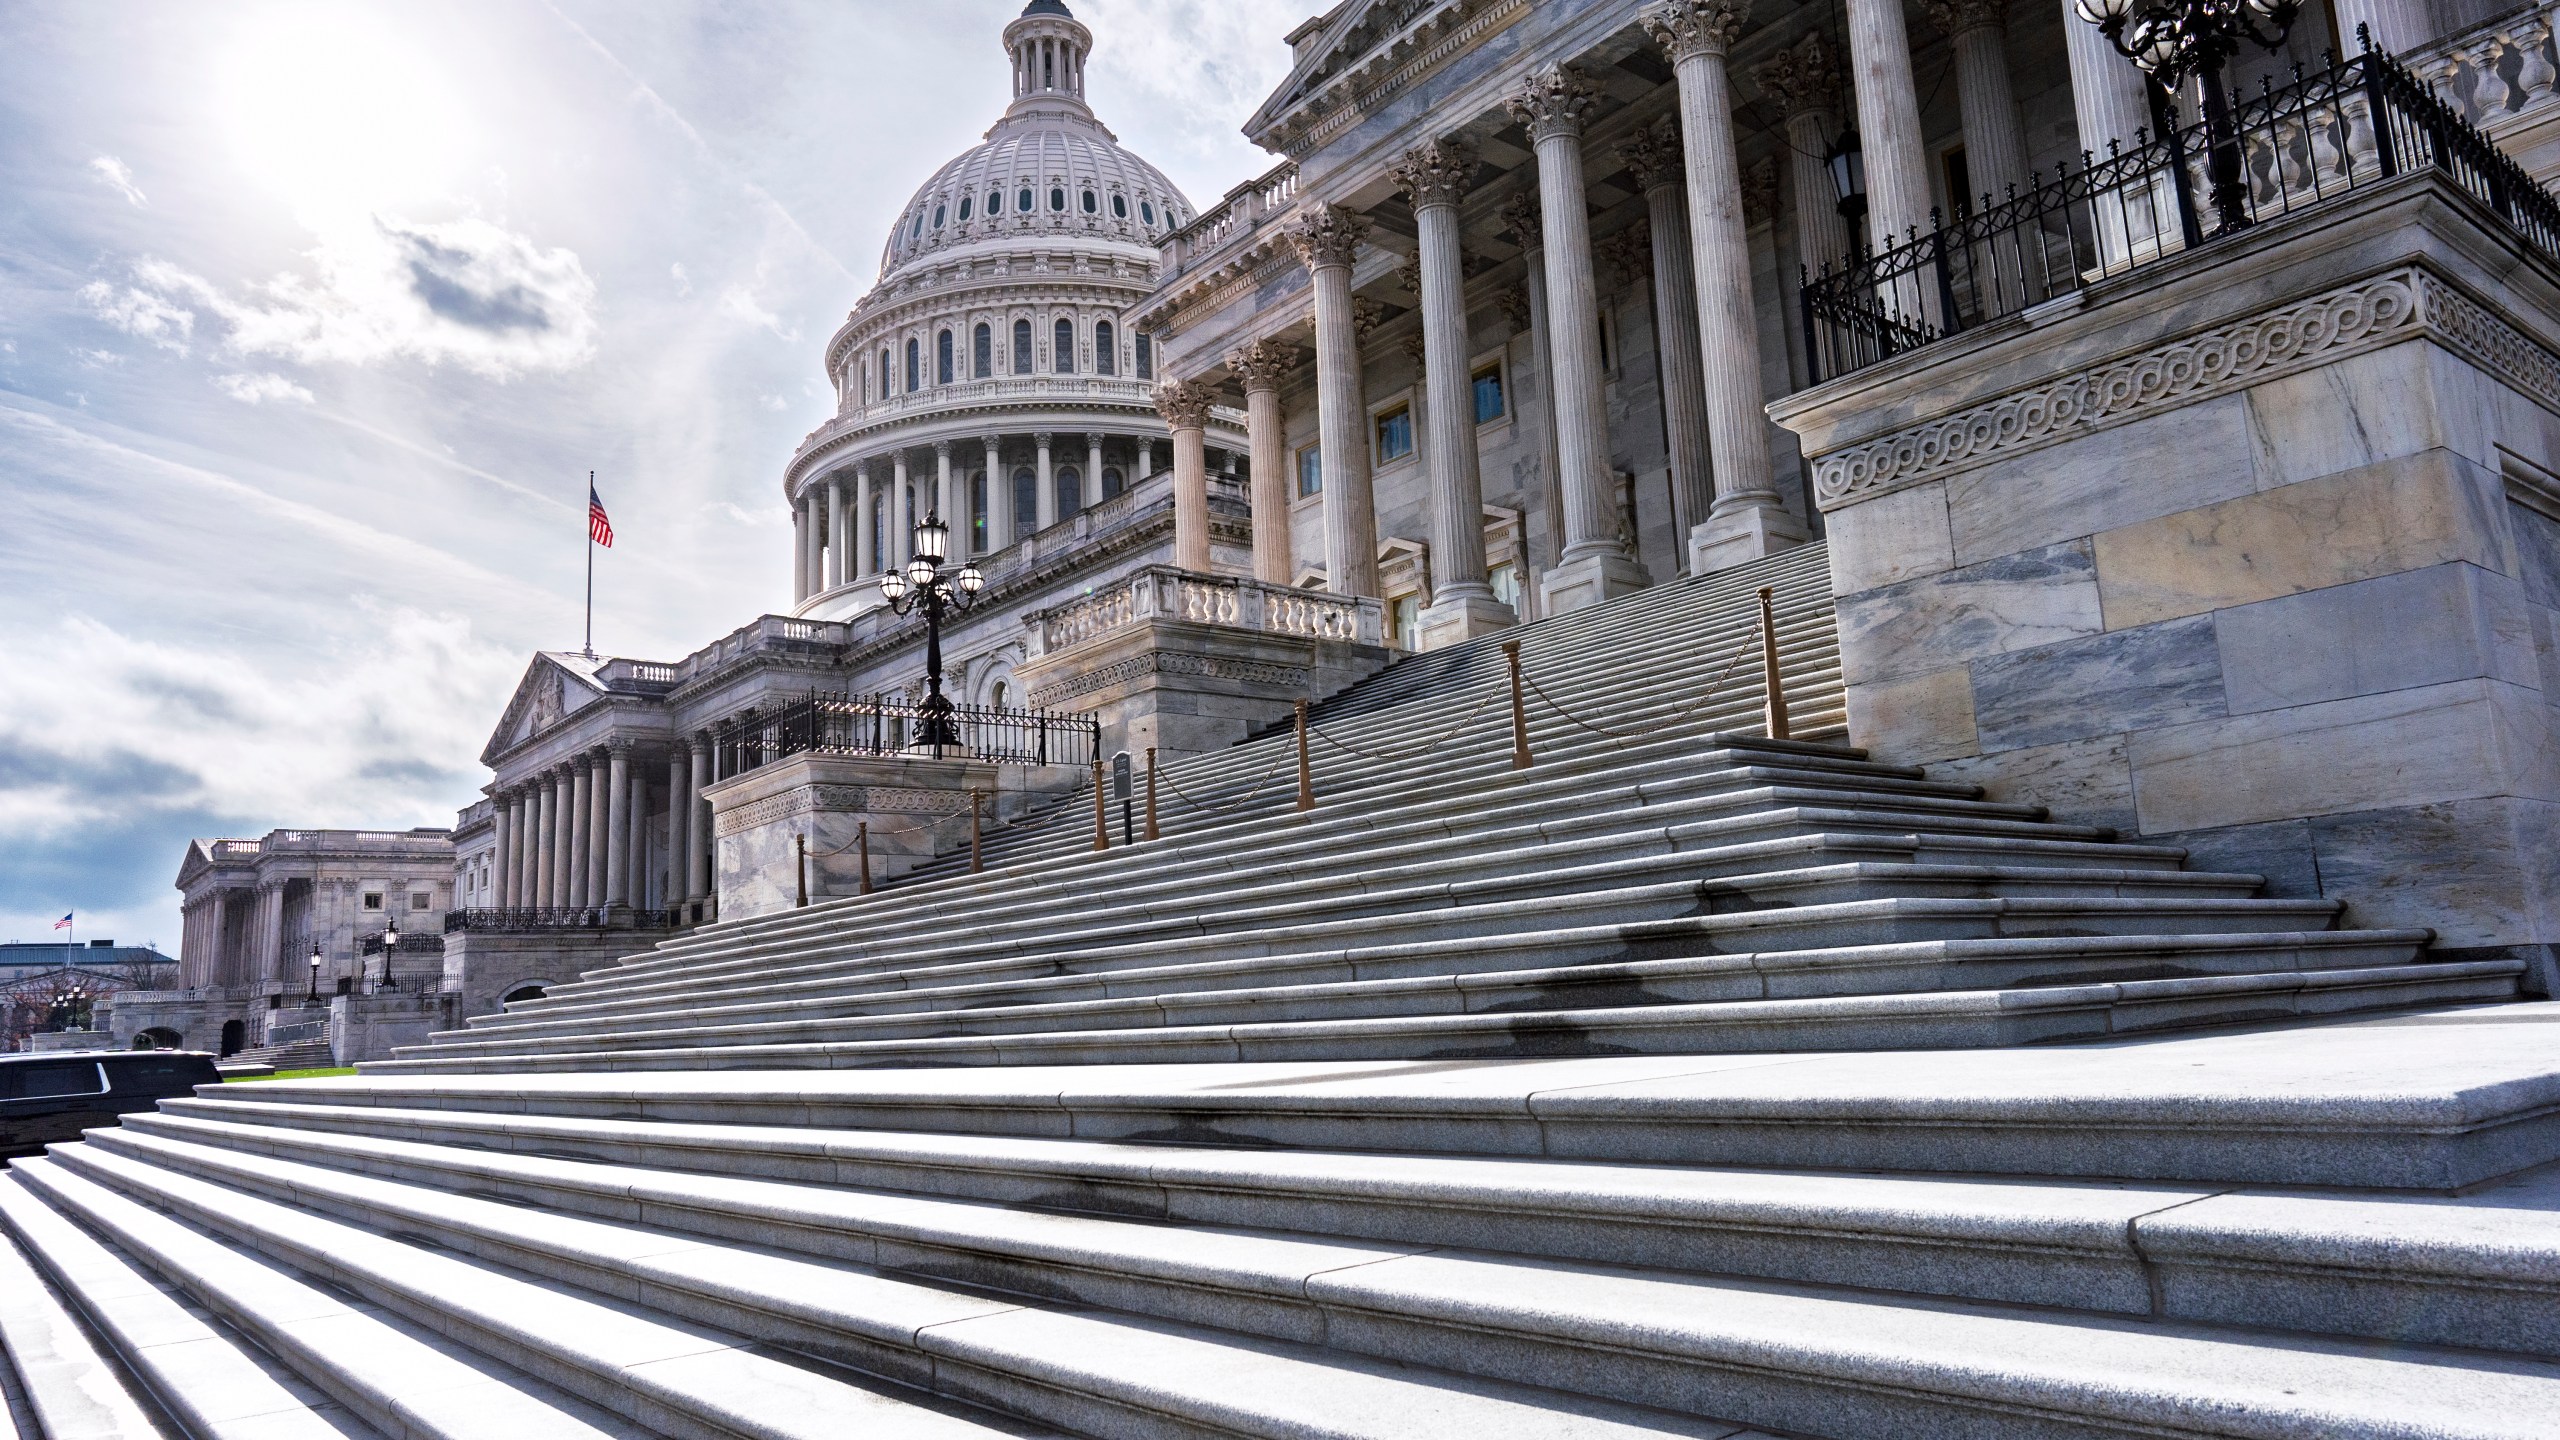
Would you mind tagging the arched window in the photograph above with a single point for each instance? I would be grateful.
(1022, 202)
(1146, 357)
(937, 217)
(919, 226)
(999, 697)
(1147, 212)
(1104, 361)
(942, 358)
(1070, 482)
(978, 512)
(995, 203)
(1021, 347)
(1112, 484)
(1057, 197)
(887, 385)
(915, 367)
(1090, 208)
(983, 351)
(1064, 361)
(1119, 207)
(1026, 502)
(965, 202)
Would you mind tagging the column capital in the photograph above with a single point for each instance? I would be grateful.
(1328, 234)
(619, 748)
(700, 741)
(1653, 154)
(1555, 100)
(1436, 172)
(862, 469)
(1184, 404)
(1629, 252)
(1041, 438)
(1263, 364)
(992, 442)
(1954, 17)
(1415, 347)
(1366, 315)
(1685, 28)
(1802, 79)
(941, 450)
(1520, 215)
(1093, 438)
(1409, 274)
(1514, 301)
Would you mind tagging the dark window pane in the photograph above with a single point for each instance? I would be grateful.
(1489, 402)
(1021, 347)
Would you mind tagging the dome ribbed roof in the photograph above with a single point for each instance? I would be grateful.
(1039, 175)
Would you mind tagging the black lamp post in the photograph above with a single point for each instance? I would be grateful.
(2174, 39)
(926, 585)
(390, 942)
(313, 998)
(1847, 163)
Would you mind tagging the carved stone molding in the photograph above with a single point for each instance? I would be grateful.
(1414, 346)
(1514, 301)
(1436, 172)
(1263, 364)
(1184, 404)
(1684, 28)
(842, 799)
(1366, 316)
(1520, 215)
(1760, 190)
(1328, 235)
(1653, 154)
(1409, 274)
(1555, 100)
(1629, 252)
(1803, 77)
(1162, 662)
(2229, 357)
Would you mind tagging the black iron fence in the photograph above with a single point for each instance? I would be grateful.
(2310, 139)
(522, 919)
(411, 943)
(877, 725)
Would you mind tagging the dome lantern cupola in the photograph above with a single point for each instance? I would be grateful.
(1048, 46)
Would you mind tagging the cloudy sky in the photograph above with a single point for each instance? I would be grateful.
(314, 315)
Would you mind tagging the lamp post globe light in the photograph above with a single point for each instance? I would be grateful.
(313, 997)
(2173, 40)
(390, 943)
(925, 585)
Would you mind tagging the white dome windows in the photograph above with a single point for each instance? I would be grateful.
(1147, 212)
(965, 202)
(1106, 360)
(982, 352)
(1057, 199)
(1091, 207)
(1021, 347)
(1064, 348)
(1119, 207)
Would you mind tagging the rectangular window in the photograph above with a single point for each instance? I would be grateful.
(1490, 405)
(419, 902)
(1959, 178)
(1408, 626)
(1310, 471)
(373, 899)
(1395, 434)
(1146, 357)
(1505, 579)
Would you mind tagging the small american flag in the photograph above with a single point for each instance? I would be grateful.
(62, 924)
(599, 529)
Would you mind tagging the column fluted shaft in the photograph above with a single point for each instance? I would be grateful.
(582, 838)
(1260, 367)
(945, 504)
(1436, 176)
(547, 839)
(697, 818)
(1995, 148)
(679, 770)
(617, 828)
(866, 543)
(838, 552)
(1184, 404)
(591, 801)
(902, 513)
(502, 830)
(1044, 498)
(564, 792)
(999, 497)
(1328, 241)
(1888, 121)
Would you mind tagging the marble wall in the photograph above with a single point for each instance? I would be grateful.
(2267, 570)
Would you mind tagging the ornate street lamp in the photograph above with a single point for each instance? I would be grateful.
(313, 998)
(927, 586)
(390, 942)
(2172, 40)
(1847, 163)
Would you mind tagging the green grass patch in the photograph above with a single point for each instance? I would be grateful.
(292, 1075)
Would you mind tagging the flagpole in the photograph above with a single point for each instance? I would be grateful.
(591, 565)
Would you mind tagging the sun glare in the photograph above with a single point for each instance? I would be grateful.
(340, 112)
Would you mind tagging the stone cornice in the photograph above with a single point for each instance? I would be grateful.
(1306, 114)
(2367, 314)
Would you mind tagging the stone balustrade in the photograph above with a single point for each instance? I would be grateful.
(2497, 74)
(1163, 592)
(1246, 209)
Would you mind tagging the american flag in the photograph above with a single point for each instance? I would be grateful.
(63, 924)
(599, 529)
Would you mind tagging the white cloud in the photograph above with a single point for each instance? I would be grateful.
(142, 314)
(684, 281)
(774, 403)
(260, 388)
(465, 292)
(739, 303)
(119, 176)
(98, 359)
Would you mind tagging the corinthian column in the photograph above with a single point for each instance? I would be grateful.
(999, 497)
(1995, 152)
(1044, 500)
(1328, 239)
(1803, 81)
(677, 772)
(582, 838)
(1889, 135)
(1596, 566)
(617, 827)
(945, 504)
(799, 552)
(902, 513)
(546, 829)
(1436, 175)
(1653, 157)
(1184, 404)
(697, 824)
(1520, 217)
(838, 553)
(1747, 520)
(594, 819)
(1260, 367)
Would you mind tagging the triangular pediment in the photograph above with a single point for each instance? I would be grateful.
(552, 690)
(1354, 31)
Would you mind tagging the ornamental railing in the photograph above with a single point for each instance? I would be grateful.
(527, 919)
(2310, 140)
(1164, 592)
(882, 726)
(411, 942)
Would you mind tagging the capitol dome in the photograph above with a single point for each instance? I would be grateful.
(991, 375)
(1049, 167)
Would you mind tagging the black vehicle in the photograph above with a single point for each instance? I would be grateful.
(54, 1096)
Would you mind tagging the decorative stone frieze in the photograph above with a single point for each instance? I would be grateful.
(1366, 316)
(1436, 172)
(2243, 352)
(1514, 301)
(1520, 216)
(1263, 364)
(1184, 404)
(1760, 190)
(1554, 100)
(1328, 235)
(1653, 154)
(1803, 77)
(1695, 27)
(1954, 17)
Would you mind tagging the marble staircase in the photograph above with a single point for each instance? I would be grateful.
(1678, 1084)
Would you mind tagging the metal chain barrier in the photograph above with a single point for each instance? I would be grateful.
(1222, 806)
(1674, 718)
(1443, 738)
